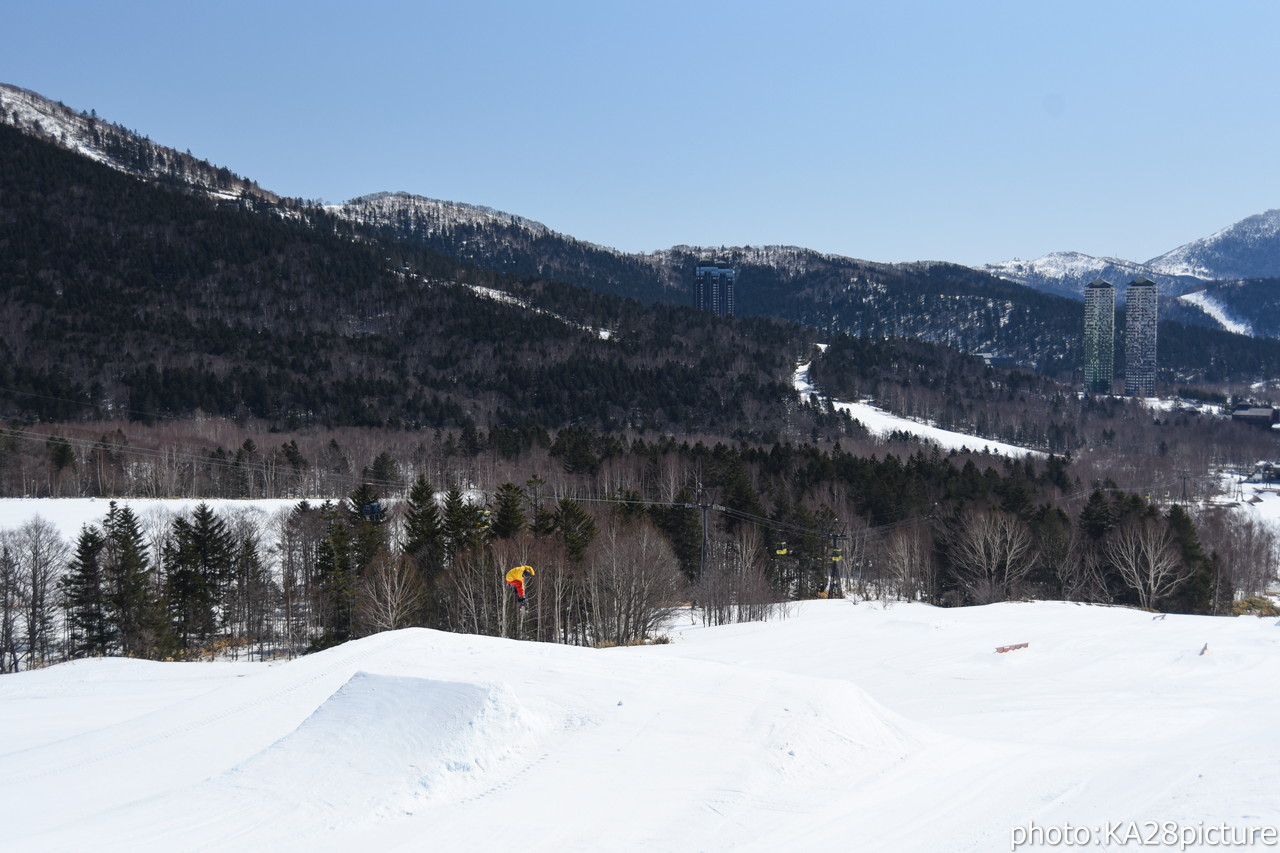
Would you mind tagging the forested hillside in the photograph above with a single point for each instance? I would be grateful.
(125, 299)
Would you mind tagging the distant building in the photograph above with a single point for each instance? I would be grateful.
(1099, 337)
(1141, 306)
(713, 288)
(1263, 416)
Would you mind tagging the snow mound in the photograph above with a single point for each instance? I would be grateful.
(378, 749)
(831, 733)
(389, 741)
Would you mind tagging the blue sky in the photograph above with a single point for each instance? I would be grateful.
(973, 132)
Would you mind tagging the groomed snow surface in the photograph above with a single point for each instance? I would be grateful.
(1217, 311)
(881, 423)
(842, 727)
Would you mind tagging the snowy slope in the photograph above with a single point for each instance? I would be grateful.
(1217, 311)
(843, 727)
(881, 423)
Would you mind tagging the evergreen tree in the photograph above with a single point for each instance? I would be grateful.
(1196, 593)
(543, 520)
(84, 594)
(10, 603)
(423, 528)
(1098, 516)
(252, 594)
(463, 525)
(198, 558)
(367, 517)
(508, 514)
(133, 608)
(680, 524)
(338, 578)
(384, 470)
(575, 527)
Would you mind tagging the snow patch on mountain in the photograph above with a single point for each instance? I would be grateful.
(121, 149)
(30, 112)
(1054, 265)
(1217, 311)
(430, 215)
(507, 299)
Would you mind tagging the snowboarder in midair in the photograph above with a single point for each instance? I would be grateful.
(516, 577)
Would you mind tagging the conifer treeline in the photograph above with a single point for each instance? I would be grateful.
(617, 539)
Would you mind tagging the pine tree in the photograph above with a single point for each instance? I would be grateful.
(1098, 516)
(1196, 593)
(575, 527)
(339, 585)
(132, 605)
(508, 514)
(198, 558)
(10, 603)
(367, 517)
(85, 596)
(423, 528)
(680, 524)
(464, 526)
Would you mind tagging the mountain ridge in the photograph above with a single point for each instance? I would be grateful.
(1246, 249)
(971, 310)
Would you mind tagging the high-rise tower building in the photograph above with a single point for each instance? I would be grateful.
(713, 288)
(1140, 315)
(1099, 337)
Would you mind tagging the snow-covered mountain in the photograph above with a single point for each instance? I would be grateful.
(1248, 249)
(1067, 273)
(427, 216)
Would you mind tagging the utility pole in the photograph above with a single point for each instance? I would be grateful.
(835, 587)
(706, 538)
(706, 506)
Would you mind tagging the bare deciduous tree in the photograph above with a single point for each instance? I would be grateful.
(908, 554)
(9, 604)
(391, 593)
(631, 584)
(41, 555)
(1079, 570)
(735, 586)
(1145, 555)
(298, 533)
(1248, 548)
(992, 552)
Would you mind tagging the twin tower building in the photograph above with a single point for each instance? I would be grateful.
(1140, 314)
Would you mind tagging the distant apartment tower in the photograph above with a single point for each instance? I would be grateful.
(1140, 315)
(1099, 337)
(713, 288)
